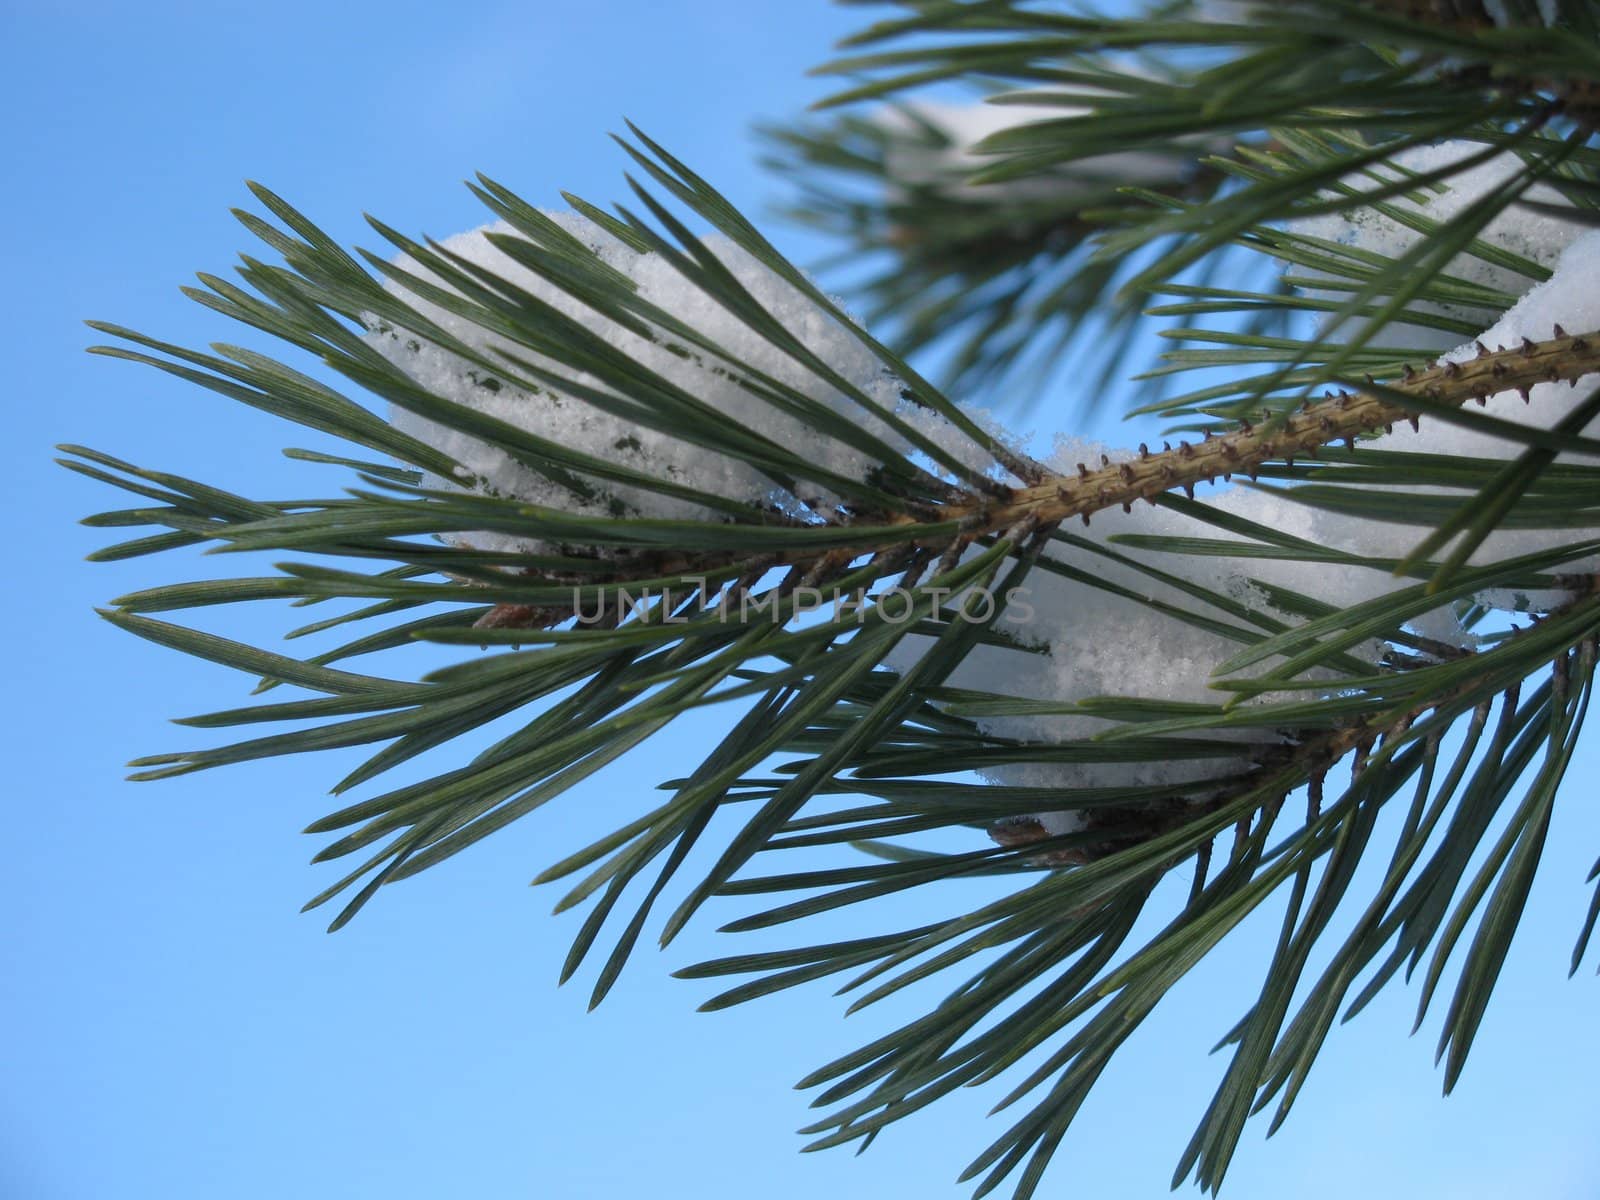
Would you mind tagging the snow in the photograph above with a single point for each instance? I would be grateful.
(1528, 233)
(957, 444)
(935, 145)
(574, 423)
(1082, 641)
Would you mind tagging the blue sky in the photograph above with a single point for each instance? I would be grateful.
(176, 1028)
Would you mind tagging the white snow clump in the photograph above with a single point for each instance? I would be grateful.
(1533, 238)
(565, 419)
(1081, 641)
(933, 144)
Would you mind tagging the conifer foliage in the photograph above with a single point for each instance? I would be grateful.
(634, 462)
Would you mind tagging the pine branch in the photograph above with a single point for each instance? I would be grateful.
(1285, 435)
(781, 463)
(1277, 437)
